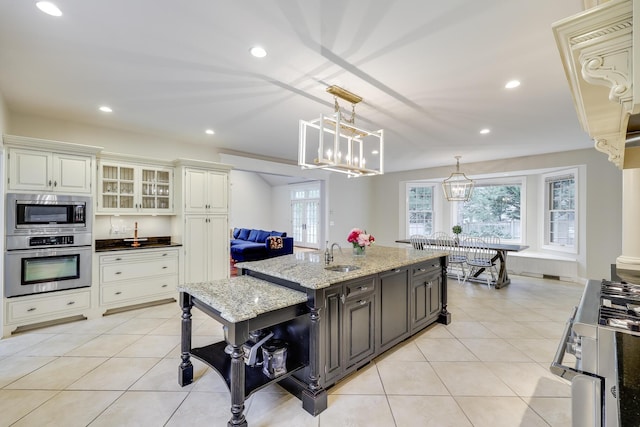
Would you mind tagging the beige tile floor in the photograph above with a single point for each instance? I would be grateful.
(489, 367)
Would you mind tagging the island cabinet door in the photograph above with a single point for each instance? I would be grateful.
(359, 325)
(331, 343)
(426, 298)
(393, 308)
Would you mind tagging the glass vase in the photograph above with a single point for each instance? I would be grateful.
(359, 251)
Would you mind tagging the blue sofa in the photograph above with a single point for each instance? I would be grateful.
(252, 245)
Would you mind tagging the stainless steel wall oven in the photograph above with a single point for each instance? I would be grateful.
(48, 243)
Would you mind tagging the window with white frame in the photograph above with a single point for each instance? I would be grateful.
(560, 210)
(420, 215)
(494, 209)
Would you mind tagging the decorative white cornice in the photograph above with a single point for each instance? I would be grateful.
(596, 48)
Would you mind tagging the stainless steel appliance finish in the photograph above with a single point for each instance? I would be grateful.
(603, 337)
(48, 243)
(35, 271)
(47, 214)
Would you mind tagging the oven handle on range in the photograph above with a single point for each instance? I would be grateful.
(557, 367)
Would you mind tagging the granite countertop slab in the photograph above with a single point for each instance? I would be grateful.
(243, 297)
(308, 268)
(104, 245)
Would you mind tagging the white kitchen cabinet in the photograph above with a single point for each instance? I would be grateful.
(33, 170)
(137, 276)
(126, 188)
(206, 246)
(47, 307)
(203, 219)
(206, 191)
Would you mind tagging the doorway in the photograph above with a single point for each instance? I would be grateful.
(305, 215)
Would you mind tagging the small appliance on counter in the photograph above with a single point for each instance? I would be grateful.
(274, 355)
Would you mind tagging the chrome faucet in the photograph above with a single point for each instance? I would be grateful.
(332, 245)
(328, 255)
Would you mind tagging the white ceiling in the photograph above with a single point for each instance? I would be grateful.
(431, 73)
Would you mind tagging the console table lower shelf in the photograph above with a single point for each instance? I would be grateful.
(254, 379)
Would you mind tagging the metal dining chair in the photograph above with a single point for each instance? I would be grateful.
(479, 258)
(419, 241)
(457, 258)
(492, 240)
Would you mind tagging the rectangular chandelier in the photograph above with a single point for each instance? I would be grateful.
(336, 144)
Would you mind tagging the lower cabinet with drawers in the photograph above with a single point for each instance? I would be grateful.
(132, 277)
(29, 311)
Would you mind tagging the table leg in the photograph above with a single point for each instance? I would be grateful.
(185, 370)
(237, 388)
(503, 277)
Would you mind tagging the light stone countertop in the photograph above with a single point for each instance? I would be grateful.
(243, 297)
(308, 268)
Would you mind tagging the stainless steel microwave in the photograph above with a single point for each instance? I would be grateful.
(36, 213)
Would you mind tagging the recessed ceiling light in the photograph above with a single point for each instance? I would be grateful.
(375, 152)
(258, 52)
(49, 8)
(106, 109)
(485, 131)
(209, 132)
(511, 84)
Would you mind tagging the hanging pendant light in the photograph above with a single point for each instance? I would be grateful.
(336, 144)
(457, 188)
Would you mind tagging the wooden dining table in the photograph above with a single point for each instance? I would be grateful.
(500, 258)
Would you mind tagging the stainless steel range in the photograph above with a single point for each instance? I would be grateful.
(603, 338)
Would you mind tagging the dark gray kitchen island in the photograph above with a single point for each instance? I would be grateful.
(336, 318)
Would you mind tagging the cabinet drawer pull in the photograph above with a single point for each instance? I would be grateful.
(31, 309)
(118, 293)
(363, 288)
(342, 298)
(422, 269)
(164, 267)
(118, 272)
(164, 286)
(49, 183)
(71, 302)
(55, 183)
(118, 259)
(362, 302)
(165, 254)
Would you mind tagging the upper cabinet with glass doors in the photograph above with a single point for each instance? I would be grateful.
(126, 188)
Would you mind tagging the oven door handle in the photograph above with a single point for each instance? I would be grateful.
(557, 367)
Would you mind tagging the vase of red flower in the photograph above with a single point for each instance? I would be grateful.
(360, 239)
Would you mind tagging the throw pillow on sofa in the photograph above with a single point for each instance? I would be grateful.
(253, 235)
(236, 233)
(275, 242)
(244, 234)
(262, 236)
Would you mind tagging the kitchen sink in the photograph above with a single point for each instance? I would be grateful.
(342, 268)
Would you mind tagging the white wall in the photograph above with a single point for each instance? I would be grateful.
(600, 201)
(350, 205)
(251, 201)
(122, 226)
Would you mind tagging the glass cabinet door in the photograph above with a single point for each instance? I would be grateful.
(128, 188)
(156, 189)
(117, 187)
